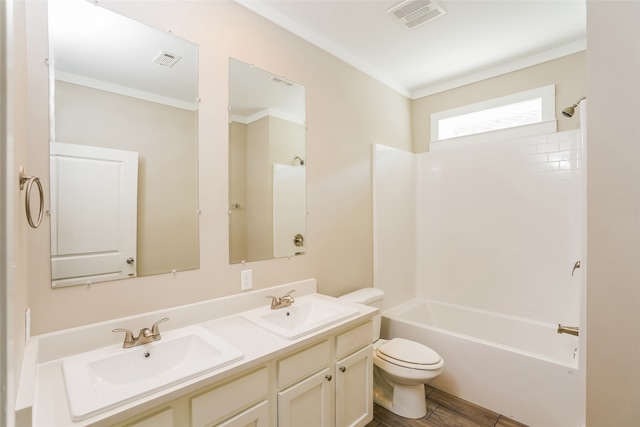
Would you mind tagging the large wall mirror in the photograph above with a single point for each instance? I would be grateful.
(124, 147)
(267, 158)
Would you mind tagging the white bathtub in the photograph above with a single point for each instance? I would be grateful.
(519, 368)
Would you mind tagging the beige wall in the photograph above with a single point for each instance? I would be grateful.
(347, 111)
(14, 229)
(567, 73)
(613, 214)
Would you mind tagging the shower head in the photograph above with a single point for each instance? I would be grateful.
(301, 161)
(569, 111)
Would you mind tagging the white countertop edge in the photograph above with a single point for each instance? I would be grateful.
(59, 344)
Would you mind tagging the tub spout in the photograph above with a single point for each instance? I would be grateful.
(572, 330)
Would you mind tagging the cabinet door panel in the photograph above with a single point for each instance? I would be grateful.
(229, 398)
(164, 418)
(354, 389)
(354, 339)
(304, 363)
(307, 403)
(257, 416)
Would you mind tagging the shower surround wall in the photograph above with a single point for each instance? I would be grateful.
(497, 225)
(394, 217)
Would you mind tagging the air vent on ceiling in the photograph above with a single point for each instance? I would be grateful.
(412, 13)
(167, 59)
(280, 80)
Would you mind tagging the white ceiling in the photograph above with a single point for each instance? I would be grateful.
(475, 39)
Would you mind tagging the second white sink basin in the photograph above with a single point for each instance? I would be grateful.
(305, 315)
(102, 379)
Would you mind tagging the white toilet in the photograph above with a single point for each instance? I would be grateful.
(401, 367)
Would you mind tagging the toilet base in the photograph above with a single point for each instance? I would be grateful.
(408, 401)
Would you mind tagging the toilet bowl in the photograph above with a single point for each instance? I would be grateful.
(401, 367)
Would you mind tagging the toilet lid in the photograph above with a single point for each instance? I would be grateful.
(408, 352)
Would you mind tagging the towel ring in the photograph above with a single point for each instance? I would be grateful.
(29, 180)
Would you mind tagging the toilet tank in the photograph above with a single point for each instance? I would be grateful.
(371, 297)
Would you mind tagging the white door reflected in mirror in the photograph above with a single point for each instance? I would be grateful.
(93, 214)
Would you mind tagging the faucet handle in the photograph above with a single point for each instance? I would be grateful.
(288, 294)
(128, 337)
(154, 329)
(275, 301)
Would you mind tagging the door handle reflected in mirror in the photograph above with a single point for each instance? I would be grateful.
(298, 240)
(130, 260)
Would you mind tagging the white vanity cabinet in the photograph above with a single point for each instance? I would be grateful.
(354, 388)
(354, 376)
(161, 418)
(246, 394)
(333, 376)
(307, 403)
(240, 401)
(328, 383)
(256, 416)
(305, 387)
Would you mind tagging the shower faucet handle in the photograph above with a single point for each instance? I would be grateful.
(576, 265)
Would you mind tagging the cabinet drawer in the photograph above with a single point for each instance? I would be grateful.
(164, 418)
(302, 364)
(256, 416)
(354, 339)
(230, 398)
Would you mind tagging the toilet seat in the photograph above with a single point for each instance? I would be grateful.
(409, 354)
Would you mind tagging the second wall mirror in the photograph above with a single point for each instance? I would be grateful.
(267, 165)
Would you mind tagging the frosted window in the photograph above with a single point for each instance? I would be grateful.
(533, 107)
(507, 116)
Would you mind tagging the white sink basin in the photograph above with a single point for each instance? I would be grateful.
(305, 315)
(105, 378)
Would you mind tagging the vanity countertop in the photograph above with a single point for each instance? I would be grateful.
(47, 394)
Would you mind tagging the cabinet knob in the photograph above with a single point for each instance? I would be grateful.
(342, 369)
(328, 377)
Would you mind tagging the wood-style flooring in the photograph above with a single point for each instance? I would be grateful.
(444, 410)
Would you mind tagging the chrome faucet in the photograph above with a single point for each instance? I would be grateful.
(282, 302)
(145, 336)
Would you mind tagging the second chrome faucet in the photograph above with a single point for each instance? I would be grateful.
(145, 336)
(282, 302)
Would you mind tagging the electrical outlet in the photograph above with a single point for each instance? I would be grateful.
(246, 280)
